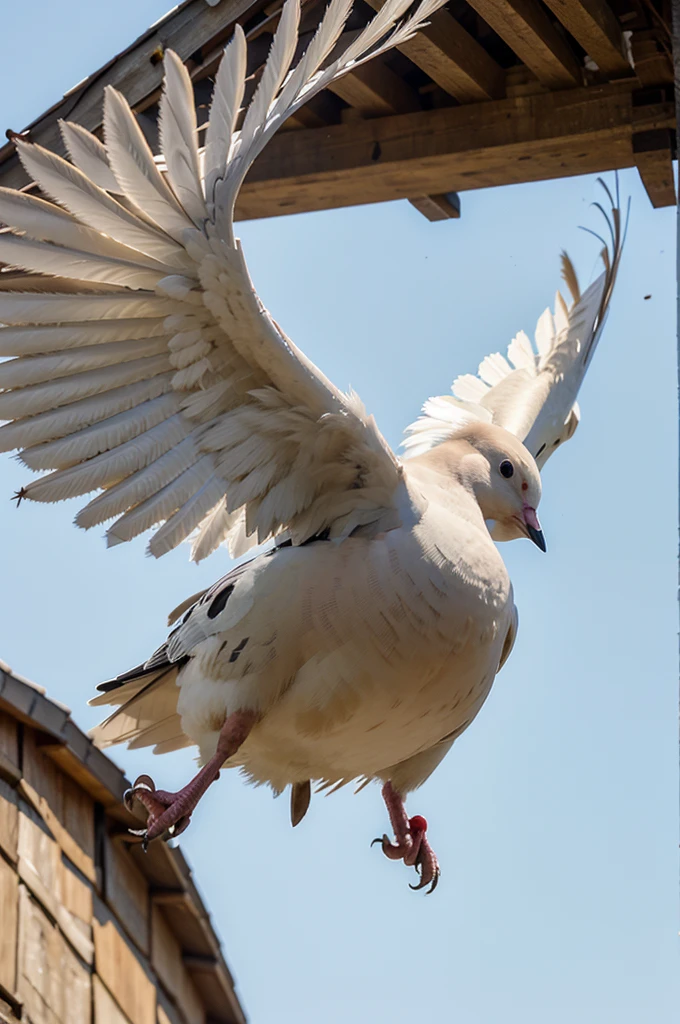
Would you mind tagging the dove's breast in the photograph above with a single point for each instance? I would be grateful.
(373, 651)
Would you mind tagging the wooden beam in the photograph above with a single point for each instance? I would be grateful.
(453, 59)
(653, 64)
(133, 72)
(526, 138)
(374, 90)
(653, 155)
(595, 26)
(436, 208)
(527, 30)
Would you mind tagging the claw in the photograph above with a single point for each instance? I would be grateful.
(145, 782)
(381, 839)
(142, 782)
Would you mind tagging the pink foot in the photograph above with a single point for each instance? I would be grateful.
(411, 844)
(170, 813)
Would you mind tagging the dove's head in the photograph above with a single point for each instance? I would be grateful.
(502, 474)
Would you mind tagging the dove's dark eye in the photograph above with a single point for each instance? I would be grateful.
(506, 468)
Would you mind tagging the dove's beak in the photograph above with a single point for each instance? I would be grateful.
(533, 527)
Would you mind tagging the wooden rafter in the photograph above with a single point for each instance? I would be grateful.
(436, 208)
(653, 156)
(453, 59)
(525, 138)
(374, 90)
(527, 30)
(594, 25)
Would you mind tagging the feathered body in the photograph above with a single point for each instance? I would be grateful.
(360, 655)
(142, 366)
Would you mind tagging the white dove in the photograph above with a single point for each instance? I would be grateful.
(144, 366)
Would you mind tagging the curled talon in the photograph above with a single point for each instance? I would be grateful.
(410, 841)
(433, 883)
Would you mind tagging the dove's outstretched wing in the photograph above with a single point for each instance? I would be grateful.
(533, 391)
(149, 370)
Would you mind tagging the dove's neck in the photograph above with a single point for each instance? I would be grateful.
(455, 476)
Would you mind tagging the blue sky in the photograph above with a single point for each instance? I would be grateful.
(555, 815)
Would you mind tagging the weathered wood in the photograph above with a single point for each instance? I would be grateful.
(133, 73)
(9, 747)
(436, 208)
(526, 138)
(595, 26)
(374, 90)
(121, 970)
(127, 892)
(453, 59)
(74, 915)
(9, 907)
(39, 859)
(9, 821)
(166, 960)
(67, 810)
(51, 981)
(106, 1010)
(653, 64)
(527, 30)
(653, 155)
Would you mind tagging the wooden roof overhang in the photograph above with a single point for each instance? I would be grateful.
(493, 92)
(169, 876)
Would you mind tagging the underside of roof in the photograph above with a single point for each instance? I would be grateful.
(493, 92)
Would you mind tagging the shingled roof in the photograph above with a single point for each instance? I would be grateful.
(126, 934)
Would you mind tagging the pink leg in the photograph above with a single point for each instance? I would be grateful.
(411, 844)
(171, 812)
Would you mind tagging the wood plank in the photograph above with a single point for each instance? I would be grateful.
(527, 138)
(453, 59)
(527, 30)
(167, 962)
(436, 208)
(595, 26)
(66, 808)
(106, 1010)
(120, 968)
(185, 31)
(75, 913)
(39, 859)
(9, 821)
(126, 892)
(653, 155)
(653, 65)
(9, 902)
(53, 984)
(9, 746)
(374, 90)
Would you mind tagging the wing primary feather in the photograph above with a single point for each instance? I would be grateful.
(179, 138)
(88, 154)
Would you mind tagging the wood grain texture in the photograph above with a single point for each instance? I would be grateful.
(527, 30)
(119, 967)
(53, 984)
(167, 962)
(653, 155)
(127, 892)
(453, 59)
(9, 821)
(9, 904)
(526, 138)
(595, 26)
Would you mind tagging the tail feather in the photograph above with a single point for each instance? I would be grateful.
(146, 711)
